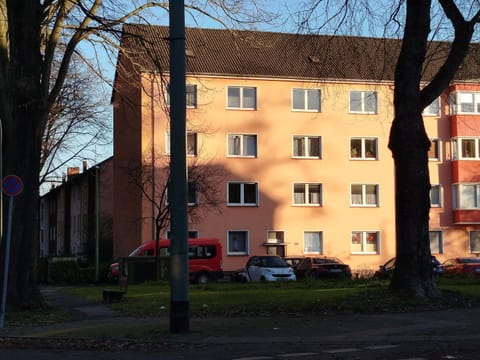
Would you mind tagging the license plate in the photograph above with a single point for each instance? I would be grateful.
(336, 270)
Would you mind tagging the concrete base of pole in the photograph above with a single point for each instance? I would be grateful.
(179, 317)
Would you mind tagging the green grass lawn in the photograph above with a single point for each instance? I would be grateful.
(315, 296)
(247, 299)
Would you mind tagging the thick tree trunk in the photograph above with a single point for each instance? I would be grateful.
(22, 133)
(409, 144)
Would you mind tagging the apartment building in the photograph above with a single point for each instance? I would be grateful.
(68, 213)
(293, 130)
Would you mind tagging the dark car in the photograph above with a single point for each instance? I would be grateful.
(321, 267)
(293, 260)
(385, 271)
(462, 266)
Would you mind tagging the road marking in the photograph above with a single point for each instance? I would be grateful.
(381, 347)
(290, 355)
(337, 351)
(254, 358)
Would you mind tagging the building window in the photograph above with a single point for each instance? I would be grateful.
(474, 241)
(465, 103)
(306, 99)
(242, 194)
(433, 109)
(192, 234)
(435, 196)
(192, 145)
(242, 145)
(242, 97)
(191, 95)
(436, 242)
(275, 237)
(237, 242)
(363, 148)
(312, 242)
(466, 196)
(307, 194)
(192, 194)
(307, 146)
(434, 151)
(364, 195)
(365, 242)
(465, 149)
(364, 102)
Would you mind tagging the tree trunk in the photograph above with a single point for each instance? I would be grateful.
(409, 144)
(22, 133)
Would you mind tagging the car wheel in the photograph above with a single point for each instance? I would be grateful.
(202, 279)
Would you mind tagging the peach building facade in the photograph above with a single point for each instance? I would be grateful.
(300, 164)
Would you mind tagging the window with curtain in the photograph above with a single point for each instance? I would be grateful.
(312, 242)
(242, 145)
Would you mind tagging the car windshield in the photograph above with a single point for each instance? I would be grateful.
(273, 261)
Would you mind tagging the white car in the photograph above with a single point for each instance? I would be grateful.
(268, 268)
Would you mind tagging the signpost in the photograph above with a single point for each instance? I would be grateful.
(12, 185)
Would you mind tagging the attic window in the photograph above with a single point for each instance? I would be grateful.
(314, 58)
(189, 53)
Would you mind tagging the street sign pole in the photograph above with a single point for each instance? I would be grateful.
(12, 186)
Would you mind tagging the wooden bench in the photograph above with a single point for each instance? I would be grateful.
(115, 295)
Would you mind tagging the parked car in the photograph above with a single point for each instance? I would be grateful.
(385, 271)
(462, 266)
(204, 259)
(268, 268)
(321, 267)
(293, 260)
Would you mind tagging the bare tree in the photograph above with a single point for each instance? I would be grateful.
(77, 122)
(204, 184)
(408, 141)
(33, 35)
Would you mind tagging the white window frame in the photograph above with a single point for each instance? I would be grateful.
(465, 102)
(242, 201)
(305, 94)
(364, 95)
(243, 142)
(432, 109)
(436, 193)
(459, 145)
(306, 148)
(306, 194)
(311, 250)
(436, 241)
(362, 155)
(191, 136)
(466, 201)
(360, 242)
(231, 251)
(364, 193)
(242, 98)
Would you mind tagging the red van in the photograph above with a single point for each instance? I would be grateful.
(204, 264)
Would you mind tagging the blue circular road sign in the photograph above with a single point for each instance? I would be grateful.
(12, 185)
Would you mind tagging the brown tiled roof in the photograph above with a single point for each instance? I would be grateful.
(280, 55)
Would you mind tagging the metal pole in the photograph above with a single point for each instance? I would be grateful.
(179, 297)
(7, 260)
(97, 223)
